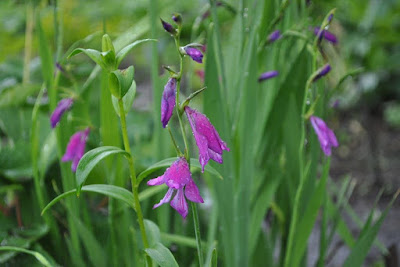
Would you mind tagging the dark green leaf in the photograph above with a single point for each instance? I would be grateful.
(162, 256)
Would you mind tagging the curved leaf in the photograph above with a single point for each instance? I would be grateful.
(167, 162)
(90, 160)
(93, 54)
(124, 51)
(162, 255)
(42, 259)
(113, 191)
(127, 100)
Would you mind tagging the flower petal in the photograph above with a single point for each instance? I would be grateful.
(179, 203)
(156, 181)
(192, 192)
(178, 175)
(194, 53)
(165, 199)
(168, 101)
(62, 106)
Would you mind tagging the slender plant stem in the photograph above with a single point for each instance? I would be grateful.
(30, 14)
(133, 180)
(178, 152)
(187, 155)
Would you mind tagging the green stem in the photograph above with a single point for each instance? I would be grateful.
(178, 152)
(187, 154)
(197, 232)
(138, 208)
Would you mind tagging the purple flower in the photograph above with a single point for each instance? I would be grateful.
(330, 18)
(268, 75)
(178, 177)
(168, 101)
(194, 53)
(76, 148)
(207, 138)
(177, 18)
(326, 137)
(322, 72)
(326, 34)
(275, 35)
(62, 106)
(168, 27)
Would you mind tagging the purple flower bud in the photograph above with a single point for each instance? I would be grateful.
(194, 53)
(330, 18)
(177, 18)
(178, 177)
(275, 35)
(76, 148)
(322, 72)
(268, 75)
(168, 101)
(207, 138)
(326, 137)
(326, 34)
(62, 106)
(168, 27)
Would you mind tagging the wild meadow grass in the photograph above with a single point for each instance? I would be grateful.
(229, 166)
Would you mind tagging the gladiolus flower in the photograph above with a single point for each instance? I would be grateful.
(207, 138)
(322, 72)
(62, 106)
(275, 35)
(178, 177)
(76, 148)
(326, 137)
(330, 37)
(168, 101)
(268, 75)
(194, 53)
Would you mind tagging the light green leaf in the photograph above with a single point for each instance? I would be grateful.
(127, 99)
(42, 259)
(113, 191)
(124, 51)
(91, 159)
(153, 232)
(93, 54)
(167, 162)
(121, 81)
(162, 255)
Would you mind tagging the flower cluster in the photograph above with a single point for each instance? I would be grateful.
(178, 177)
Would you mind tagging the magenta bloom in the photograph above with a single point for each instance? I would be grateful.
(194, 53)
(207, 138)
(62, 106)
(322, 72)
(76, 148)
(330, 37)
(168, 101)
(178, 177)
(268, 75)
(326, 137)
(275, 35)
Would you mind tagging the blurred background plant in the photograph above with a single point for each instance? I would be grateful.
(366, 120)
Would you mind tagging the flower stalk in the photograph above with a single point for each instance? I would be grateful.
(132, 173)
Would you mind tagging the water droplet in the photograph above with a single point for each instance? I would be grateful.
(308, 102)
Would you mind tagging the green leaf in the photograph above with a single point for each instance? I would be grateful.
(93, 54)
(121, 81)
(162, 255)
(42, 259)
(364, 243)
(127, 99)
(153, 232)
(214, 258)
(46, 56)
(124, 51)
(91, 159)
(113, 191)
(167, 162)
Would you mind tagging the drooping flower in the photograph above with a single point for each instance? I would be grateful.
(327, 35)
(194, 53)
(207, 138)
(322, 72)
(275, 35)
(326, 137)
(62, 106)
(168, 27)
(178, 177)
(268, 75)
(76, 148)
(168, 101)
